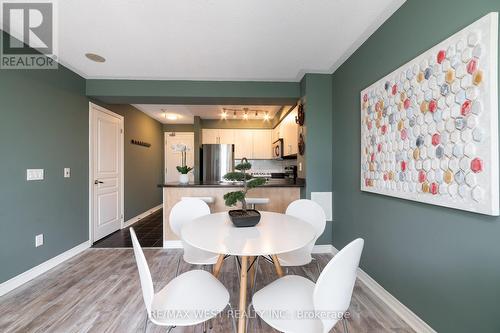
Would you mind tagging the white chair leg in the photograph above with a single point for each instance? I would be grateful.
(256, 263)
(344, 323)
(178, 264)
(317, 267)
(233, 319)
(248, 317)
(237, 265)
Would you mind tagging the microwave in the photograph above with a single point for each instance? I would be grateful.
(278, 149)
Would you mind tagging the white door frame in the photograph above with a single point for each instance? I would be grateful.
(91, 168)
(165, 149)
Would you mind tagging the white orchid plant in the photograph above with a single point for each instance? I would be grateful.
(183, 149)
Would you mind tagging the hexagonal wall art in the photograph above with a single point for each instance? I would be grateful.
(429, 130)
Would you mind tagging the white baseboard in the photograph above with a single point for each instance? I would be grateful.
(139, 217)
(32, 273)
(392, 302)
(327, 248)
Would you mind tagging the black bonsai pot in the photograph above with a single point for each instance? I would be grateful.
(243, 219)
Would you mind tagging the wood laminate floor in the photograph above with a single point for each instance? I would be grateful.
(99, 291)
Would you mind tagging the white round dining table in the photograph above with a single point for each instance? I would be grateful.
(276, 233)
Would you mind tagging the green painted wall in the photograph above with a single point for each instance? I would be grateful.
(178, 128)
(316, 90)
(143, 166)
(193, 92)
(442, 263)
(44, 124)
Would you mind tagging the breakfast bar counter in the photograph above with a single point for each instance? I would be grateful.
(271, 183)
(280, 193)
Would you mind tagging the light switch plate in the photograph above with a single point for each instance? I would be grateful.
(34, 174)
(324, 199)
(38, 240)
(67, 172)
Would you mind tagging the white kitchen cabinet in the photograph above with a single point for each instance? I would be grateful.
(226, 136)
(276, 133)
(252, 144)
(262, 148)
(215, 136)
(209, 136)
(289, 132)
(243, 144)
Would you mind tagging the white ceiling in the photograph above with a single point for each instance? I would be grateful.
(185, 113)
(262, 40)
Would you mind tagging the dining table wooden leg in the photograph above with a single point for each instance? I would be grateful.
(218, 265)
(243, 295)
(277, 266)
(251, 271)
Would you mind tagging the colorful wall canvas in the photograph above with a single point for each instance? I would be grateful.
(429, 130)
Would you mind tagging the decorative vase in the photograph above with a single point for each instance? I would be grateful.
(184, 178)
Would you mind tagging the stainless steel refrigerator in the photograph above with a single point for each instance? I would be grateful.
(216, 161)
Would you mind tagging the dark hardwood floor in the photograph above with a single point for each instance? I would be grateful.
(149, 231)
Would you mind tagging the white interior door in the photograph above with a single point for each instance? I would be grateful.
(106, 130)
(173, 158)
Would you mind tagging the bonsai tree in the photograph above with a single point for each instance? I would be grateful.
(183, 149)
(248, 181)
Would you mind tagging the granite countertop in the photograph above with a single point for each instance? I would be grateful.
(274, 183)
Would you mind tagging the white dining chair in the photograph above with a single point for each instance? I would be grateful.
(185, 211)
(308, 307)
(189, 299)
(312, 213)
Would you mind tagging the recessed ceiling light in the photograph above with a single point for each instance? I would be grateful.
(95, 57)
(172, 117)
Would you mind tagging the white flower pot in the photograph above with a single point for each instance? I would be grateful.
(183, 178)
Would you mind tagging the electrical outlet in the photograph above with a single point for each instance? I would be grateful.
(300, 166)
(38, 240)
(34, 174)
(67, 172)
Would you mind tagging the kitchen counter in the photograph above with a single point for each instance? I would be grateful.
(272, 183)
(281, 193)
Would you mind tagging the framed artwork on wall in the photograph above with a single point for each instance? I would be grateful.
(429, 129)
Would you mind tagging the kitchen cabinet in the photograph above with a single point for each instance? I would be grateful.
(215, 136)
(262, 148)
(249, 143)
(243, 144)
(276, 133)
(209, 136)
(226, 136)
(288, 130)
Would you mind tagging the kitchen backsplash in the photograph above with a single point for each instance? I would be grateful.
(274, 166)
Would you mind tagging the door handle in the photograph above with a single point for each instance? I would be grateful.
(98, 182)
